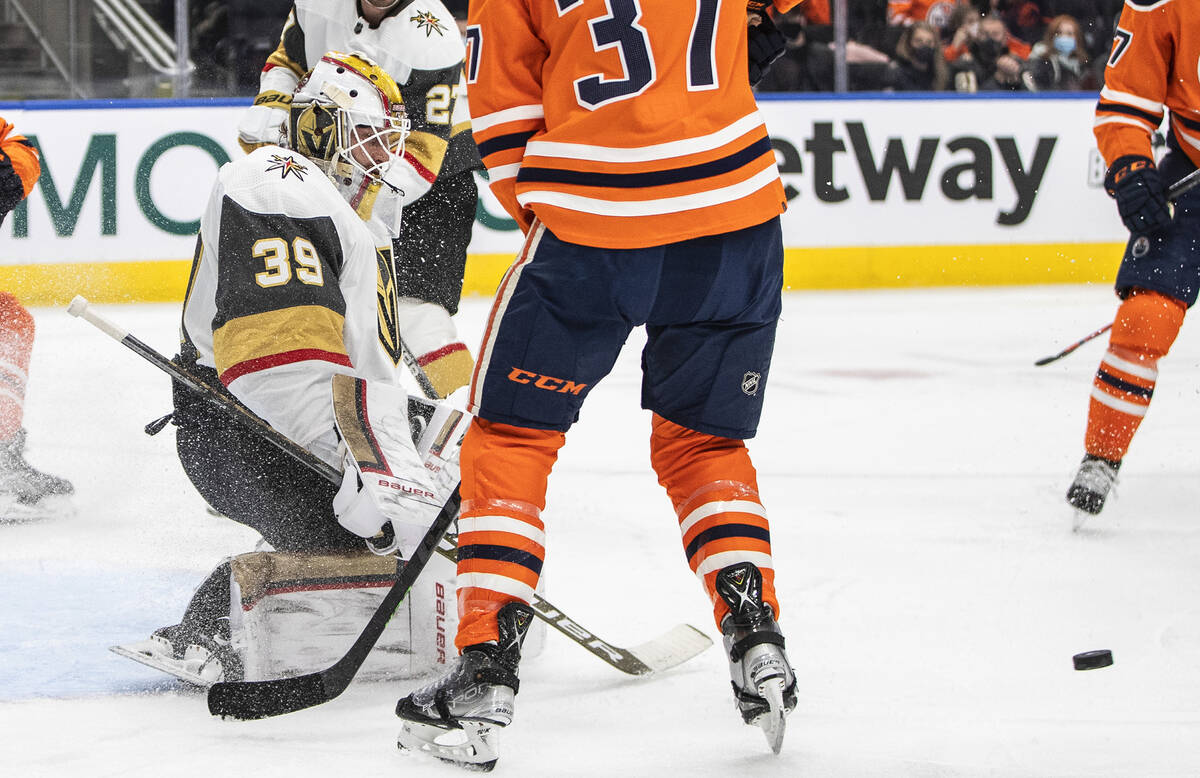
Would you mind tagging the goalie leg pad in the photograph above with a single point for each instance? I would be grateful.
(299, 613)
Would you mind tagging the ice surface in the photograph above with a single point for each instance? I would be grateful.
(912, 459)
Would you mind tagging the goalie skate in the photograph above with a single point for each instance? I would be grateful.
(200, 663)
(453, 718)
(764, 685)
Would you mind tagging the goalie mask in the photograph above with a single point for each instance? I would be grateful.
(347, 116)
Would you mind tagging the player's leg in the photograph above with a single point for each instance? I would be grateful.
(431, 257)
(1159, 280)
(705, 374)
(24, 486)
(555, 330)
(1144, 329)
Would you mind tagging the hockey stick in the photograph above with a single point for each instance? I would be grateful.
(248, 700)
(81, 308)
(672, 648)
(1073, 346)
(418, 372)
(1184, 184)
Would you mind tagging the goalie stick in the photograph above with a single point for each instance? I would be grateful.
(668, 650)
(1184, 184)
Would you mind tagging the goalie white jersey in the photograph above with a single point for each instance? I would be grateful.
(288, 287)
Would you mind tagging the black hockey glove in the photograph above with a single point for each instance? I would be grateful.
(1141, 199)
(766, 44)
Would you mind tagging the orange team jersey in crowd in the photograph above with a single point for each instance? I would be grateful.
(936, 12)
(620, 123)
(817, 12)
(1154, 65)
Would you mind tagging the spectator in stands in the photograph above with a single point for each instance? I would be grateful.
(919, 66)
(1023, 18)
(985, 56)
(806, 65)
(1060, 60)
(937, 13)
(1097, 20)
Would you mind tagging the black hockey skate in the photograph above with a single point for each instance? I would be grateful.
(1091, 486)
(27, 490)
(453, 717)
(763, 682)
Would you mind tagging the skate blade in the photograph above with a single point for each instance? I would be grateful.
(13, 511)
(774, 722)
(1080, 518)
(473, 747)
(171, 666)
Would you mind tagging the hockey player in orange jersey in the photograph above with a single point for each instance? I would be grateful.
(624, 138)
(25, 492)
(1152, 70)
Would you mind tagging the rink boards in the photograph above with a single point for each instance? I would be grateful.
(883, 191)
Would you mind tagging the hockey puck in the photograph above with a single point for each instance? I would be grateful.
(1090, 660)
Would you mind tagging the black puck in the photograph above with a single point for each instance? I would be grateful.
(1090, 660)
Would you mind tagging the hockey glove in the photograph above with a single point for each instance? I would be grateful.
(1141, 198)
(385, 480)
(264, 122)
(765, 45)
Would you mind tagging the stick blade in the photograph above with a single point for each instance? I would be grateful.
(672, 648)
(249, 700)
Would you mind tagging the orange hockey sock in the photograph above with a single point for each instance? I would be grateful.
(713, 486)
(16, 345)
(1143, 331)
(501, 540)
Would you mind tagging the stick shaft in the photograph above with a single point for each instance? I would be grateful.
(81, 308)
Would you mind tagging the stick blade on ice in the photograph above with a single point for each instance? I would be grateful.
(264, 699)
(672, 648)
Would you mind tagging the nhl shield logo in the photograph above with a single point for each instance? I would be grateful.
(750, 383)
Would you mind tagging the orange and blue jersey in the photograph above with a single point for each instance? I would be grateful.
(615, 128)
(1152, 69)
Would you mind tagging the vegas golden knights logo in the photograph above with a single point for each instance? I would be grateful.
(314, 127)
(385, 293)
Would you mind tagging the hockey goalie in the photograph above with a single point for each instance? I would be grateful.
(291, 310)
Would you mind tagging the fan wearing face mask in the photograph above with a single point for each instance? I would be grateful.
(919, 66)
(1060, 60)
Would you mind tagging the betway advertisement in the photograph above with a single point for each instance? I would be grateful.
(128, 182)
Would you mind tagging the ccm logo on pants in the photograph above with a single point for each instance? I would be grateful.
(549, 383)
